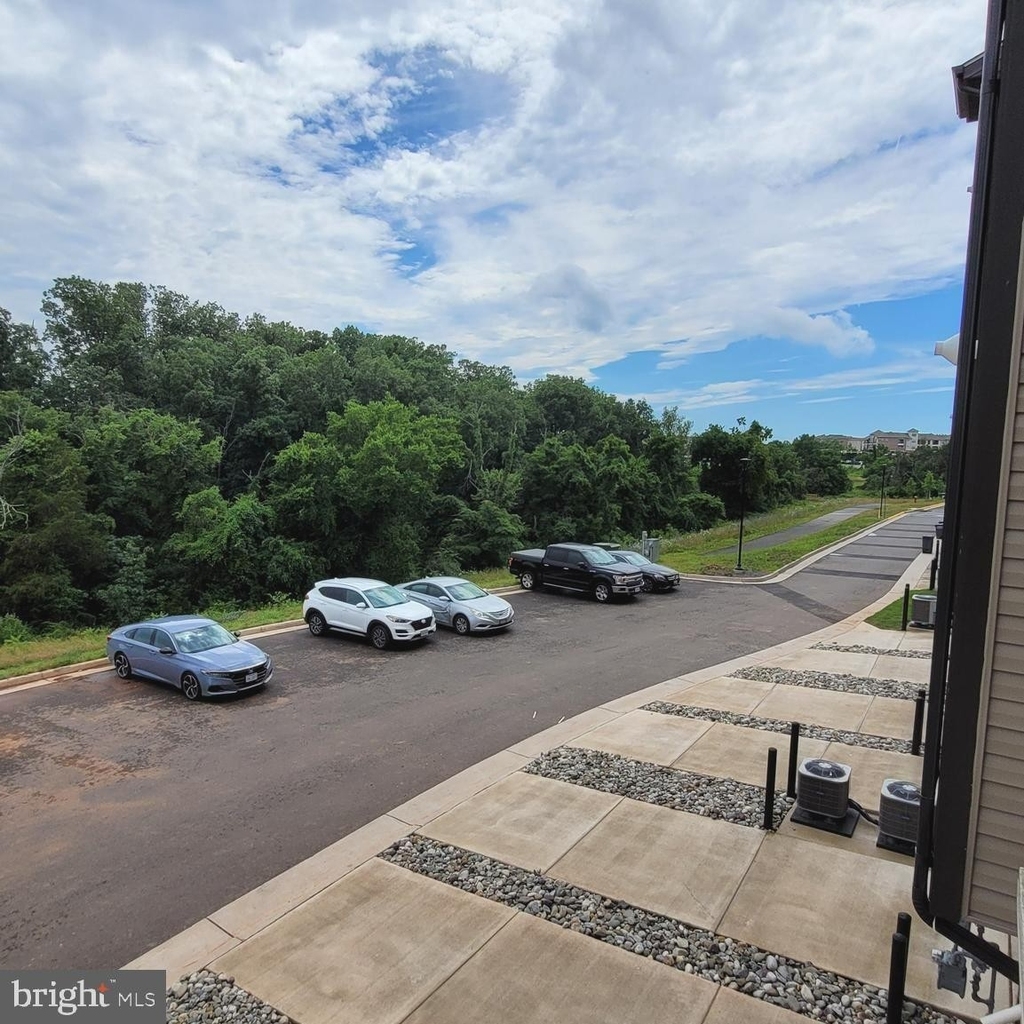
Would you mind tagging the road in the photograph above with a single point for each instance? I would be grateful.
(127, 813)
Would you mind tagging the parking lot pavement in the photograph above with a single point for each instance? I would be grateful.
(505, 893)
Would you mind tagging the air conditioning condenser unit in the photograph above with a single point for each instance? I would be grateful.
(823, 796)
(898, 812)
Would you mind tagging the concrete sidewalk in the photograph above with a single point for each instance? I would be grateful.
(613, 868)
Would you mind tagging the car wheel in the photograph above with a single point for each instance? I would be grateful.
(122, 666)
(190, 686)
(379, 636)
(317, 624)
(602, 592)
(461, 624)
(527, 581)
(648, 585)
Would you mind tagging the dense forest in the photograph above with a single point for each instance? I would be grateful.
(158, 454)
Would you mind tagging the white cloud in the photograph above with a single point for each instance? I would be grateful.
(674, 175)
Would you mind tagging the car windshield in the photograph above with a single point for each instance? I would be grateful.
(203, 638)
(465, 591)
(385, 597)
(634, 558)
(598, 556)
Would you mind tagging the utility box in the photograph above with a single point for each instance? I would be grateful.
(651, 548)
(927, 543)
(923, 610)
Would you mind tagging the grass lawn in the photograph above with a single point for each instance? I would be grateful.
(702, 553)
(891, 616)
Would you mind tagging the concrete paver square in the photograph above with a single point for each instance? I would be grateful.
(836, 910)
(732, 752)
(825, 661)
(724, 694)
(871, 768)
(367, 950)
(892, 666)
(866, 635)
(672, 862)
(889, 716)
(534, 971)
(831, 708)
(525, 820)
(730, 1007)
(645, 736)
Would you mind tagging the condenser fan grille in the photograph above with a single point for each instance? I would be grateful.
(904, 791)
(824, 769)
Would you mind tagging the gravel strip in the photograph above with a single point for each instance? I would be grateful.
(864, 649)
(814, 732)
(783, 981)
(711, 797)
(843, 681)
(210, 998)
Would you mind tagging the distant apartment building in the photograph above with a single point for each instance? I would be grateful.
(895, 441)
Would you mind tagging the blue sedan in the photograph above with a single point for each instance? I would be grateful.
(199, 656)
(460, 604)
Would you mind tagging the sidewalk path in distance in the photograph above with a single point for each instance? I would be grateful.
(791, 533)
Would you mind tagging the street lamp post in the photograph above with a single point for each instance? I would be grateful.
(739, 550)
(881, 500)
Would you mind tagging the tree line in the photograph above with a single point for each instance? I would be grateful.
(160, 454)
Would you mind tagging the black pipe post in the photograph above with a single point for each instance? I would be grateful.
(739, 549)
(915, 743)
(906, 606)
(769, 791)
(794, 747)
(897, 978)
(903, 924)
(931, 575)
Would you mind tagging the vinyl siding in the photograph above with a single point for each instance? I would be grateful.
(996, 846)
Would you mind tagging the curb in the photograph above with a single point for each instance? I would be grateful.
(233, 924)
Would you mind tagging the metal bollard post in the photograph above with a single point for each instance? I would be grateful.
(915, 743)
(903, 924)
(931, 576)
(897, 978)
(769, 791)
(906, 606)
(794, 747)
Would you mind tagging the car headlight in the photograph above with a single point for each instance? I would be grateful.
(621, 579)
(398, 618)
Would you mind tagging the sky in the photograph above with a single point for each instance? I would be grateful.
(742, 208)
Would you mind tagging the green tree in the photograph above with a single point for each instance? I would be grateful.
(24, 364)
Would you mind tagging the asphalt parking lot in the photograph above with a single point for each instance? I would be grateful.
(128, 813)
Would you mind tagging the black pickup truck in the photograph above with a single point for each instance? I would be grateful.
(580, 567)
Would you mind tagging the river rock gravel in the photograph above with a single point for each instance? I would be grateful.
(841, 681)
(865, 649)
(209, 998)
(814, 732)
(710, 797)
(758, 973)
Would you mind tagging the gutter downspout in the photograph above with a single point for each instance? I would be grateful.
(956, 932)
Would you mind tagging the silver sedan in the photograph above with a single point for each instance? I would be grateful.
(460, 604)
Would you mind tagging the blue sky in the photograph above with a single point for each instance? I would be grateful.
(749, 210)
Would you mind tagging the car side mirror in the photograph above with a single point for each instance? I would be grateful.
(445, 597)
(166, 650)
(361, 604)
(582, 565)
(236, 634)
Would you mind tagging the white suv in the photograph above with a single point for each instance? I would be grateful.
(368, 608)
